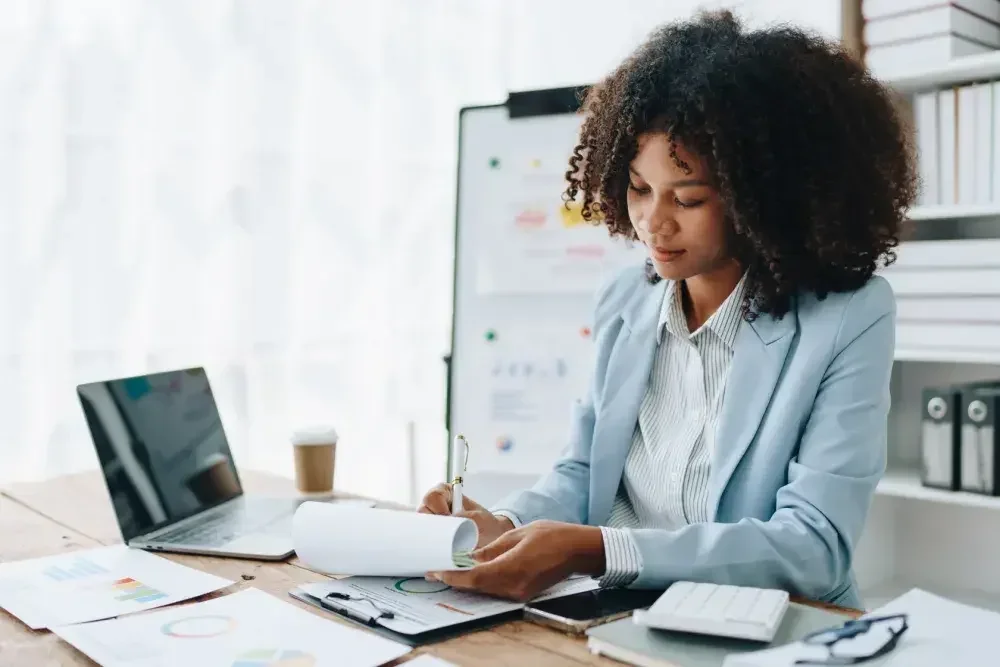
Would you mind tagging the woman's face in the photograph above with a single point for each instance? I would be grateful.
(676, 213)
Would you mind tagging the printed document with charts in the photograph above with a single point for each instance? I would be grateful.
(941, 632)
(250, 628)
(386, 554)
(94, 584)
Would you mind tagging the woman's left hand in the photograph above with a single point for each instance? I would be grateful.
(522, 563)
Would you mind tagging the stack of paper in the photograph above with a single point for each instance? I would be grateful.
(941, 632)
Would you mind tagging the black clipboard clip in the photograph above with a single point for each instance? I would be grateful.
(367, 619)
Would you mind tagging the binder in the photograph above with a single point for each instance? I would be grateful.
(947, 146)
(967, 137)
(925, 113)
(980, 463)
(941, 433)
(984, 143)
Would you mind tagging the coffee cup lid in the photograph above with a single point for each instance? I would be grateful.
(314, 435)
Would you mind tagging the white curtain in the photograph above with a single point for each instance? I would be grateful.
(262, 187)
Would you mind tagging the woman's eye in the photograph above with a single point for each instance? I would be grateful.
(688, 204)
(636, 189)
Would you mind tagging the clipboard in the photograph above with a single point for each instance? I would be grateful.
(372, 621)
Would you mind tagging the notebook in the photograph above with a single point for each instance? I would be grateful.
(626, 641)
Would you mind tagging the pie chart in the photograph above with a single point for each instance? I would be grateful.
(272, 657)
(419, 585)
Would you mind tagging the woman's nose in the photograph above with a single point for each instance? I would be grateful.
(661, 223)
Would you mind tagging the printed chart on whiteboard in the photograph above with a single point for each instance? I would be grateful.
(527, 270)
(536, 243)
(531, 375)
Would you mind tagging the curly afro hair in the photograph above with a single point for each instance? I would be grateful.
(812, 161)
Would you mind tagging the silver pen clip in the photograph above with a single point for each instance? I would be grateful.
(465, 464)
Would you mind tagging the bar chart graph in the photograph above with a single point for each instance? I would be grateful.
(95, 584)
(129, 589)
(79, 568)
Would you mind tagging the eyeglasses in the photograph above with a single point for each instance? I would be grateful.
(857, 641)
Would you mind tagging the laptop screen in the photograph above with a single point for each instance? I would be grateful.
(161, 447)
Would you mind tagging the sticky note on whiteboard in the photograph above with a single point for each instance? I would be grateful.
(572, 215)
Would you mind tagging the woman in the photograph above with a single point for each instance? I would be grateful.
(735, 428)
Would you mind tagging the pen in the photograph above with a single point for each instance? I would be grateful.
(357, 616)
(459, 459)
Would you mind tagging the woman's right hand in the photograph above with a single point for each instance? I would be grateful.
(438, 501)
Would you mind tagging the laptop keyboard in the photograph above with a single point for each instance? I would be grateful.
(214, 531)
(255, 516)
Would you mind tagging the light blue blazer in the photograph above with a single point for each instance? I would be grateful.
(800, 446)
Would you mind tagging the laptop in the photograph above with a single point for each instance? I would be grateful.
(170, 473)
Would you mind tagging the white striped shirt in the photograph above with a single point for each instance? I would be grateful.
(665, 480)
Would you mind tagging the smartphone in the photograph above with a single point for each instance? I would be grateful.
(576, 613)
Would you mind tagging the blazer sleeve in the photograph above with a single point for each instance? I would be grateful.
(806, 546)
(563, 494)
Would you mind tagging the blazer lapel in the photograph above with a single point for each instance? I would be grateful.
(758, 358)
(628, 367)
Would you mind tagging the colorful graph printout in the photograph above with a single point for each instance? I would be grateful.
(249, 628)
(94, 584)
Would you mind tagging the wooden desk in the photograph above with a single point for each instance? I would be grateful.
(74, 512)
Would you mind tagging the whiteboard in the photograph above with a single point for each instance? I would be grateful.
(526, 273)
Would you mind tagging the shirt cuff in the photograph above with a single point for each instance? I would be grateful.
(509, 515)
(622, 560)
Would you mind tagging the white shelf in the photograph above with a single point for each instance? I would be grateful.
(906, 484)
(948, 355)
(982, 67)
(880, 594)
(954, 212)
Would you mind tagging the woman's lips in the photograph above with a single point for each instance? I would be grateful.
(663, 255)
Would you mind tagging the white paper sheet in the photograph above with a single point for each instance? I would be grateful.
(941, 632)
(246, 629)
(95, 584)
(570, 586)
(420, 605)
(336, 539)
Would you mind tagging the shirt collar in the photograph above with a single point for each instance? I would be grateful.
(724, 322)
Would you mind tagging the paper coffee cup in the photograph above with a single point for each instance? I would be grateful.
(315, 459)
